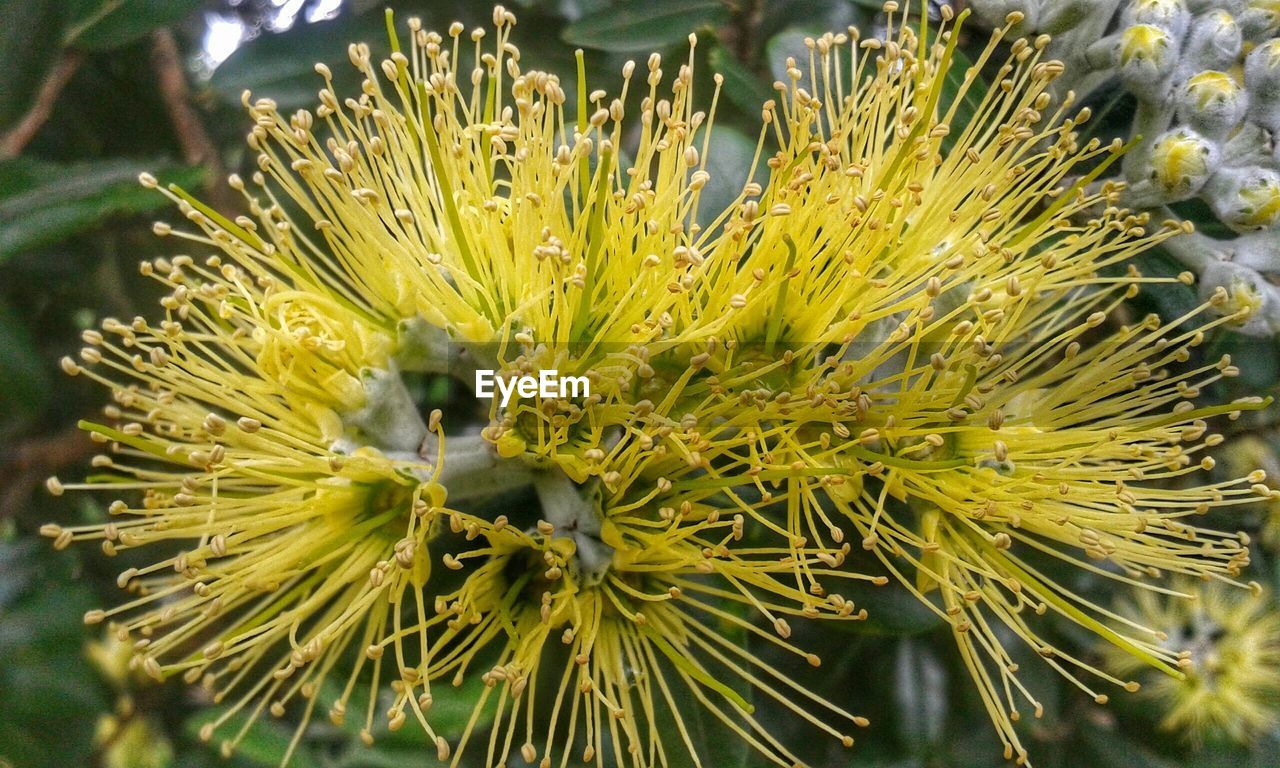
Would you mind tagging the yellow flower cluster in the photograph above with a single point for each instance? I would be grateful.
(885, 351)
(1230, 649)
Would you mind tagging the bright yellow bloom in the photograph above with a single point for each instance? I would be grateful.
(900, 339)
(646, 641)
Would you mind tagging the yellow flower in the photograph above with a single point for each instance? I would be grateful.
(1228, 643)
(646, 639)
(886, 341)
(131, 741)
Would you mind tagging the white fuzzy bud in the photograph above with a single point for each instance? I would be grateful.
(1245, 199)
(1181, 162)
(1169, 15)
(1262, 79)
(1212, 103)
(1246, 293)
(1146, 56)
(1213, 42)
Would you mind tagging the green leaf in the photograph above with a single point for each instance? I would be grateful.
(920, 695)
(265, 743)
(969, 101)
(282, 66)
(891, 610)
(29, 31)
(45, 674)
(576, 9)
(789, 43)
(728, 160)
(105, 24)
(1260, 370)
(741, 86)
(26, 389)
(451, 709)
(1169, 300)
(1110, 749)
(818, 15)
(45, 203)
(644, 26)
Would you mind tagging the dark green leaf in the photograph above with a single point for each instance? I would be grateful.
(818, 15)
(26, 389)
(45, 203)
(1170, 300)
(1114, 750)
(17, 563)
(1207, 223)
(920, 695)
(728, 160)
(715, 742)
(44, 674)
(105, 24)
(451, 710)
(891, 610)
(741, 86)
(452, 707)
(1260, 372)
(282, 66)
(966, 103)
(265, 743)
(789, 43)
(643, 26)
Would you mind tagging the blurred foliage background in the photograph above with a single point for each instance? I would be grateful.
(94, 91)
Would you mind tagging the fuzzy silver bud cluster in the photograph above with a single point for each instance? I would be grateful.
(1206, 80)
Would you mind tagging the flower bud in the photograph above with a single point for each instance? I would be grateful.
(133, 742)
(1262, 79)
(1181, 162)
(1245, 199)
(1147, 54)
(1247, 292)
(1260, 19)
(1229, 690)
(1169, 15)
(1063, 16)
(1213, 41)
(1212, 103)
(993, 13)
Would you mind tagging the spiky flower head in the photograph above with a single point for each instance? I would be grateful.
(1228, 642)
(901, 339)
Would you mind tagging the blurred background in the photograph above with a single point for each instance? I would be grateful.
(92, 92)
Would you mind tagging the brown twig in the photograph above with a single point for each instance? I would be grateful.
(13, 142)
(197, 147)
(25, 468)
(748, 30)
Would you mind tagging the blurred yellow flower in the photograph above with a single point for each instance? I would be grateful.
(1228, 642)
